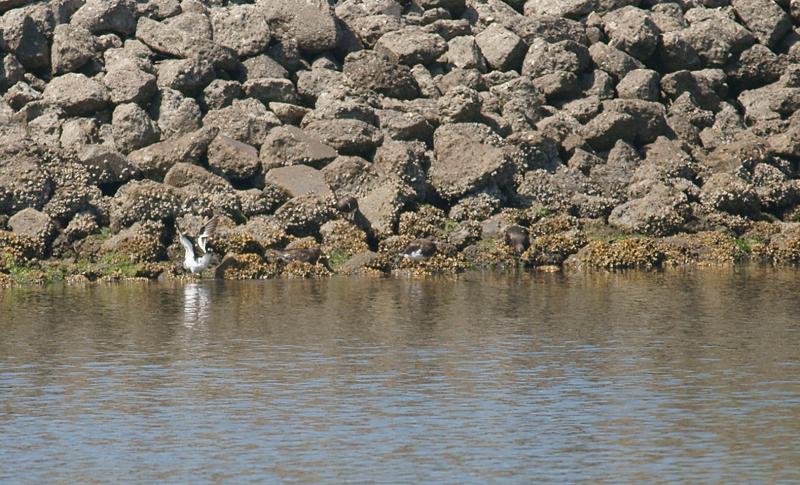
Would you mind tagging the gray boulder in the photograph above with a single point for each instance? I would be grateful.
(232, 159)
(297, 180)
(381, 206)
(502, 48)
(631, 30)
(764, 18)
(176, 114)
(289, 145)
(106, 165)
(347, 136)
(640, 84)
(101, 16)
(613, 61)
(467, 157)
(661, 212)
(189, 76)
(127, 83)
(245, 120)
(35, 225)
(133, 128)
(155, 160)
(220, 93)
(545, 58)
(728, 193)
(141, 200)
(268, 90)
(25, 35)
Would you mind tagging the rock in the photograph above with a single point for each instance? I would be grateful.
(129, 84)
(72, 48)
(411, 46)
(101, 16)
(26, 37)
(452, 174)
(189, 76)
(242, 28)
(546, 58)
(502, 48)
(297, 180)
(608, 127)
(707, 87)
(612, 60)
(155, 160)
(220, 93)
(369, 70)
(21, 94)
(640, 84)
(105, 165)
(631, 30)
(727, 193)
(232, 159)
(289, 145)
(11, 71)
(712, 35)
(405, 161)
(35, 225)
(311, 84)
(139, 243)
(289, 114)
(573, 9)
(173, 42)
(23, 182)
(141, 200)
(347, 136)
(764, 18)
(194, 177)
(381, 207)
(404, 125)
(459, 105)
(755, 67)
(268, 90)
(463, 52)
(311, 24)
(303, 215)
(661, 212)
(262, 66)
(176, 114)
(247, 121)
(132, 128)
(76, 94)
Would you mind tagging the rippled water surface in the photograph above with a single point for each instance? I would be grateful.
(636, 377)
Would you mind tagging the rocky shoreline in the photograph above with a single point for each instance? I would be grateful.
(616, 133)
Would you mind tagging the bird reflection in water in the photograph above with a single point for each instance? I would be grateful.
(196, 304)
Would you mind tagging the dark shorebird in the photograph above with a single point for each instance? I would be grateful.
(518, 238)
(302, 255)
(196, 256)
(419, 250)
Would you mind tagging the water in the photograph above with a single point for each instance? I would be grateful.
(625, 378)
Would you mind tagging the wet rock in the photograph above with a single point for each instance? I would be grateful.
(297, 180)
(289, 145)
(411, 45)
(310, 24)
(133, 128)
(232, 159)
(452, 174)
(370, 70)
(242, 28)
(247, 121)
(76, 94)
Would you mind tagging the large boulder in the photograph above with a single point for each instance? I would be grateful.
(127, 83)
(467, 157)
(310, 23)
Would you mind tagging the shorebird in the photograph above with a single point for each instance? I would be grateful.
(517, 237)
(197, 257)
(303, 255)
(419, 250)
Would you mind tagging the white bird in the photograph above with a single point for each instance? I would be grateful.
(196, 256)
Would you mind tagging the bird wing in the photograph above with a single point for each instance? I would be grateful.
(207, 232)
(187, 244)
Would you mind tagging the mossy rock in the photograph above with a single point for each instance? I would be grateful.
(553, 249)
(641, 253)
